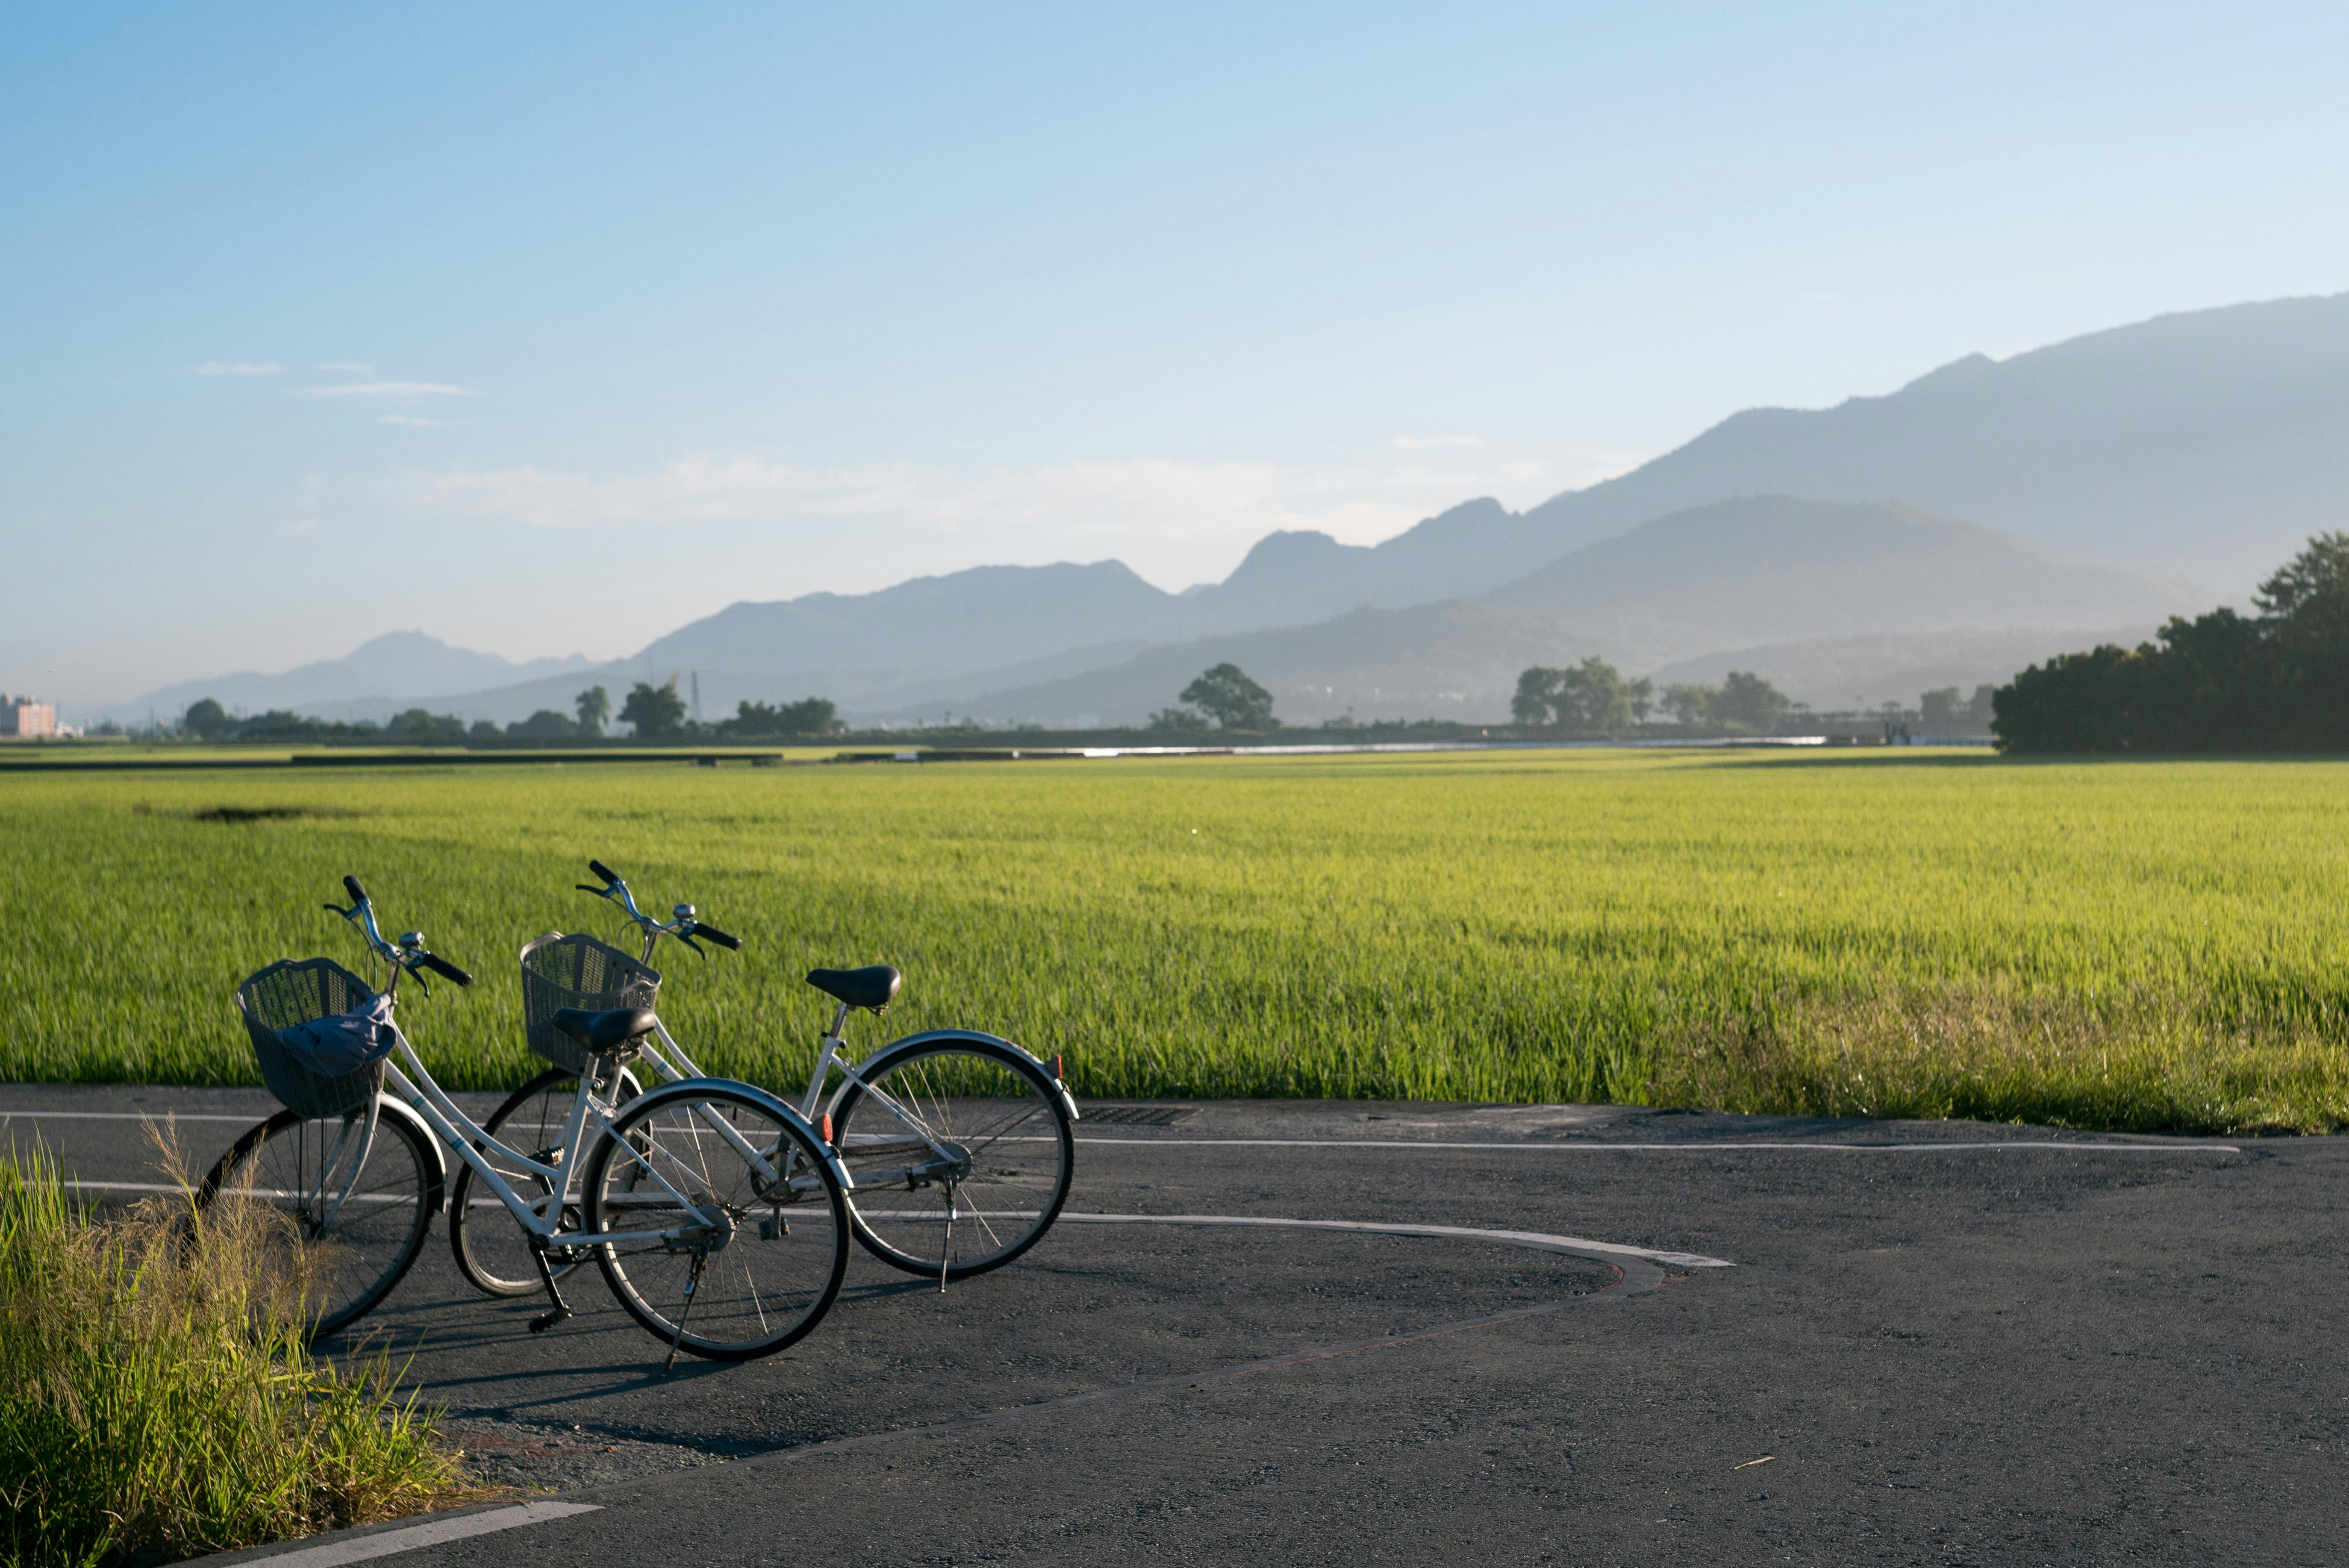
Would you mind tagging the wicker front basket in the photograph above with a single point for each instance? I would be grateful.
(288, 992)
(577, 971)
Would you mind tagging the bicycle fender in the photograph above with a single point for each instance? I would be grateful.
(686, 1087)
(436, 1199)
(932, 1036)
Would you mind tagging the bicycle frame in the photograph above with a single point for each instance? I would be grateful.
(462, 1133)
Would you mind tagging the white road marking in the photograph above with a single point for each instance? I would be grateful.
(432, 1532)
(1709, 1146)
(133, 1116)
(1537, 1240)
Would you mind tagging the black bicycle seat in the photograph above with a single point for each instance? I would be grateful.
(872, 986)
(602, 1032)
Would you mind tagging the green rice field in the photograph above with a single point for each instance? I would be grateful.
(2121, 945)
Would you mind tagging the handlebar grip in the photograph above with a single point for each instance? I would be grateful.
(607, 873)
(441, 967)
(712, 933)
(351, 886)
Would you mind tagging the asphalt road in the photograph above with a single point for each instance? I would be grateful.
(1937, 1354)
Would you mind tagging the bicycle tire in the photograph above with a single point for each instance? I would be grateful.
(776, 1276)
(494, 1255)
(376, 1231)
(1022, 1145)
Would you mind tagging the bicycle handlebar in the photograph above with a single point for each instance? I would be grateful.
(685, 927)
(441, 967)
(362, 914)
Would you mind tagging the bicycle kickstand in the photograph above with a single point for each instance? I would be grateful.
(693, 1282)
(561, 1310)
(945, 1247)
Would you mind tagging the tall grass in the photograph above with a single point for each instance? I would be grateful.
(2110, 944)
(156, 1398)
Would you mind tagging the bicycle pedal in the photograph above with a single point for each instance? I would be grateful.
(546, 1320)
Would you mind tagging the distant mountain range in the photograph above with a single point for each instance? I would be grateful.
(1730, 573)
(2200, 447)
(386, 667)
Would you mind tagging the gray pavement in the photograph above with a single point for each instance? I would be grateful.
(1928, 1352)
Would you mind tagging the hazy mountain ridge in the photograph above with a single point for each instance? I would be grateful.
(2210, 442)
(1872, 669)
(389, 665)
(1671, 590)
(1742, 572)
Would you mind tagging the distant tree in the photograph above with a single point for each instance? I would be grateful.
(483, 730)
(594, 706)
(416, 724)
(207, 721)
(2221, 682)
(809, 715)
(1178, 721)
(1590, 697)
(1689, 705)
(1535, 702)
(545, 725)
(1748, 702)
(1938, 712)
(655, 711)
(1225, 694)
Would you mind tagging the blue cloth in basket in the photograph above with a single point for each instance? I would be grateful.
(344, 1042)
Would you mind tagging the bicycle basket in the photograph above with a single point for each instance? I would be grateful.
(289, 992)
(577, 971)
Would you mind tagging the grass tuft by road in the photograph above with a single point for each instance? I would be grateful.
(156, 1400)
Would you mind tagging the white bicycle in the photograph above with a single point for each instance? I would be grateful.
(718, 1215)
(959, 1145)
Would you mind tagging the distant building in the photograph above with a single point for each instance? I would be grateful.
(22, 717)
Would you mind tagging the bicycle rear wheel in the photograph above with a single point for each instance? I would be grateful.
(344, 1231)
(734, 1254)
(493, 1252)
(949, 1218)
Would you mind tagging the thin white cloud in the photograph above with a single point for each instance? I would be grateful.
(386, 389)
(345, 367)
(1431, 443)
(236, 368)
(407, 419)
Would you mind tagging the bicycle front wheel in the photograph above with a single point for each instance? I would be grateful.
(735, 1230)
(1008, 1154)
(347, 1214)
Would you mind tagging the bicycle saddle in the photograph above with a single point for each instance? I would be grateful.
(871, 987)
(602, 1032)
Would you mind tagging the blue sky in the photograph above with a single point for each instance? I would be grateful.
(547, 329)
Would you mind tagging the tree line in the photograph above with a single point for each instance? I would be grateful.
(2274, 681)
(655, 712)
(1593, 698)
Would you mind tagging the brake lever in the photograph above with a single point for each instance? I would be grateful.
(689, 941)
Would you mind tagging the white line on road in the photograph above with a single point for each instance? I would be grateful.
(248, 1118)
(432, 1532)
(1537, 1240)
(1709, 1146)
